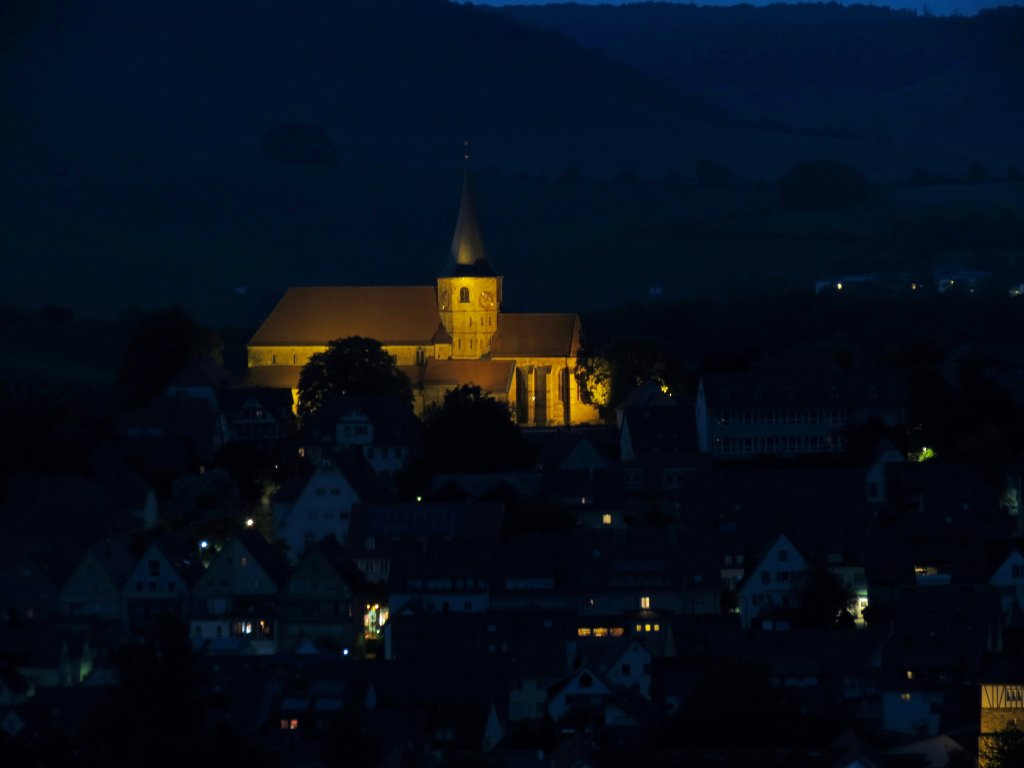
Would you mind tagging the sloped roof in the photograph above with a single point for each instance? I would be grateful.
(315, 316)
(661, 429)
(536, 335)
(270, 559)
(489, 375)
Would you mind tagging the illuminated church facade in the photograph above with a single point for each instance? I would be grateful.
(441, 336)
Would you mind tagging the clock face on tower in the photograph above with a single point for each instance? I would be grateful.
(444, 299)
(487, 299)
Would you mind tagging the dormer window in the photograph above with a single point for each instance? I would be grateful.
(464, 295)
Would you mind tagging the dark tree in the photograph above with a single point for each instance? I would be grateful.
(631, 362)
(826, 602)
(729, 693)
(157, 713)
(471, 432)
(207, 506)
(1003, 749)
(252, 469)
(821, 186)
(351, 366)
(161, 343)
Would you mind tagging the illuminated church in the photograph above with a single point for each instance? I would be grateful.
(442, 336)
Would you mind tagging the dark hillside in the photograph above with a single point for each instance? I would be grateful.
(394, 82)
(134, 163)
(952, 83)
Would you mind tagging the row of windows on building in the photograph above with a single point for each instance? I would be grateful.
(771, 416)
(833, 392)
(467, 583)
(781, 444)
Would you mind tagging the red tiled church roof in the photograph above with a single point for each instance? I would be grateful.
(536, 335)
(492, 376)
(315, 316)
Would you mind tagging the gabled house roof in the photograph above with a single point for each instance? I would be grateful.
(180, 555)
(337, 558)
(267, 557)
(588, 448)
(111, 556)
(349, 463)
(659, 429)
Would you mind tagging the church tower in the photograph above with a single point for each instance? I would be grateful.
(468, 290)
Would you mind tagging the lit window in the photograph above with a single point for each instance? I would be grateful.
(600, 631)
(583, 631)
(647, 627)
(905, 696)
(617, 631)
(657, 627)
(639, 628)
(910, 674)
(606, 519)
(645, 603)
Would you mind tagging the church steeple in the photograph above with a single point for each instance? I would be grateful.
(467, 255)
(468, 290)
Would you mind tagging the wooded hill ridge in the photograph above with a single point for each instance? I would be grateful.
(951, 83)
(403, 83)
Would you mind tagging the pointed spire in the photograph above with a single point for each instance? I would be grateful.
(467, 246)
(467, 256)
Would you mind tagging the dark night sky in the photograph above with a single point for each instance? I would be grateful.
(965, 7)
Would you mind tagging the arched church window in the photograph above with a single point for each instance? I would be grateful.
(464, 295)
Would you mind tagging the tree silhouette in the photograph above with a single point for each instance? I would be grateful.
(161, 343)
(471, 432)
(1004, 748)
(350, 366)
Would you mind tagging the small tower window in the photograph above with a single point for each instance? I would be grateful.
(464, 295)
